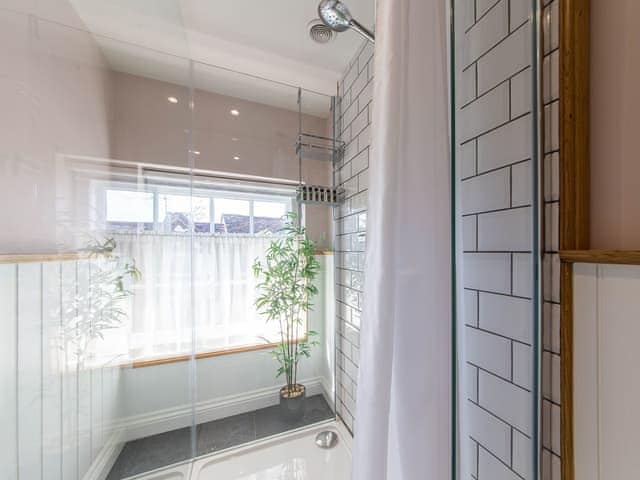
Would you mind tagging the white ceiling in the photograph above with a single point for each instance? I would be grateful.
(261, 39)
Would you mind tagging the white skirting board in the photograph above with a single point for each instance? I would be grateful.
(140, 426)
(102, 464)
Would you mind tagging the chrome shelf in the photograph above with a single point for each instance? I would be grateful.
(319, 195)
(316, 147)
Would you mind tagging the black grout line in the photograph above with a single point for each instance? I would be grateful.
(499, 418)
(501, 252)
(484, 14)
(493, 374)
(498, 459)
(496, 86)
(502, 294)
(551, 401)
(495, 45)
(519, 207)
(497, 127)
(549, 450)
(496, 334)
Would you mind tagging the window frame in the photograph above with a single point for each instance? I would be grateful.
(249, 192)
(260, 194)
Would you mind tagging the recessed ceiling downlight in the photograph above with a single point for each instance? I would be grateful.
(234, 112)
(172, 99)
(319, 32)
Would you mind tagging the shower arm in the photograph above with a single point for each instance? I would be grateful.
(362, 30)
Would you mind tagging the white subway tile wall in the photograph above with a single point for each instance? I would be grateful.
(551, 271)
(354, 103)
(495, 142)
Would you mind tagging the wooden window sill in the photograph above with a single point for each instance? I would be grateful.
(214, 353)
(44, 257)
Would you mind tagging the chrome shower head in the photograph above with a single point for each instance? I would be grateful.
(336, 16)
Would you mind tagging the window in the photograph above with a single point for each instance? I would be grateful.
(268, 216)
(174, 210)
(204, 280)
(232, 216)
(128, 209)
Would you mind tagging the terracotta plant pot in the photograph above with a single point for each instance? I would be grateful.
(292, 402)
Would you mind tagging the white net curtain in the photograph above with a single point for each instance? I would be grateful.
(221, 292)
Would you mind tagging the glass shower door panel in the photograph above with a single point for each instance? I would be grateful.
(97, 333)
(146, 210)
(496, 220)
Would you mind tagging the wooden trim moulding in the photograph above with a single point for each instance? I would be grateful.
(614, 257)
(45, 257)
(566, 372)
(575, 178)
(575, 186)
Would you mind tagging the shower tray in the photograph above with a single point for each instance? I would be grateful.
(290, 456)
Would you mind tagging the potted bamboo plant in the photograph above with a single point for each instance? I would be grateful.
(286, 288)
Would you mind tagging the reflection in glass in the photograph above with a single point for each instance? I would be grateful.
(177, 212)
(268, 216)
(232, 216)
(129, 210)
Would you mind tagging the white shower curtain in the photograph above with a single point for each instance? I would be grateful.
(403, 417)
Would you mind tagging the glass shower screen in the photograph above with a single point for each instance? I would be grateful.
(496, 230)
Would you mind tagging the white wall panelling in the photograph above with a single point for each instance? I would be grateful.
(58, 413)
(9, 372)
(605, 381)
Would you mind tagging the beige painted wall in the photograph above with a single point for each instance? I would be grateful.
(615, 127)
(54, 92)
(150, 129)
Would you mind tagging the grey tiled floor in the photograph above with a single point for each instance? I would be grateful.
(149, 453)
